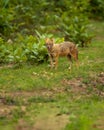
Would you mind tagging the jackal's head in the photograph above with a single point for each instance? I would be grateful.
(49, 44)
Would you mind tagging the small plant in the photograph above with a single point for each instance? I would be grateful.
(17, 56)
(34, 49)
(4, 51)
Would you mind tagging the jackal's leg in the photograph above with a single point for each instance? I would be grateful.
(76, 59)
(51, 61)
(55, 62)
(70, 60)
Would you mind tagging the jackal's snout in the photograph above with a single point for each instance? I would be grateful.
(49, 43)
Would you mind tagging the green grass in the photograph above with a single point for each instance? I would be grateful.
(37, 94)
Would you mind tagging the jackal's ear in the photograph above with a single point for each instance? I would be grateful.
(52, 39)
(46, 39)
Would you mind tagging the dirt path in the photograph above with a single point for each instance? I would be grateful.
(51, 123)
(47, 119)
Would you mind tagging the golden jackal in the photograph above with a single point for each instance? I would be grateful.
(67, 49)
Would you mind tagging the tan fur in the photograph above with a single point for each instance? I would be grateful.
(67, 49)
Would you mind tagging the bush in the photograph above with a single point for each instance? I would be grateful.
(63, 19)
(25, 49)
(34, 49)
(4, 51)
(97, 9)
(6, 17)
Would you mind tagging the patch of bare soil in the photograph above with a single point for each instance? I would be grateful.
(51, 123)
(23, 125)
(99, 124)
(9, 100)
(6, 66)
(74, 85)
(45, 92)
(5, 110)
(46, 121)
(79, 86)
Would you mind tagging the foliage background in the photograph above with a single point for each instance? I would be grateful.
(25, 22)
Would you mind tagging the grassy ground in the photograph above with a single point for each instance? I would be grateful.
(37, 98)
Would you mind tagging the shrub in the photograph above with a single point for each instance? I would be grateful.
(25, 49)
(7, 14)
(75, 22)
(63, 19)
(4, 51)
(34, 49)
(96, 9)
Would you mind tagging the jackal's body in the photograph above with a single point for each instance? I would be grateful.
(67, 49)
